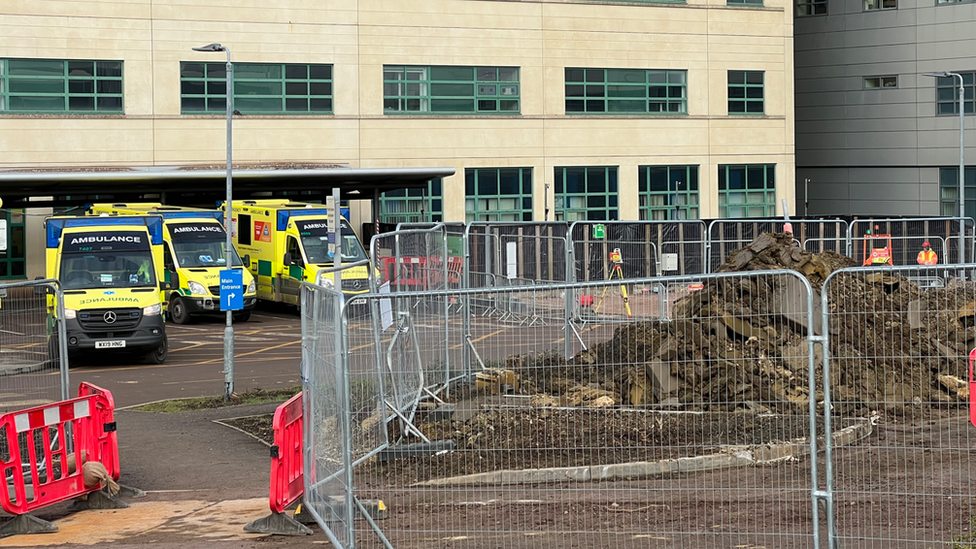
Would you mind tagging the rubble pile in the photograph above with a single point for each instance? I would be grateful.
(742, 342)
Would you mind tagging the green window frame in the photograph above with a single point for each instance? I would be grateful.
(13, 263)
(61, 86)
(744, 2)
(808, 8)
(746, 92)
(949, 191)
(498, 194)
(586, 193)
(451, 90)
(668, 192)
(259, 88)
(413, 205)
(626, 91)
(947, 94)
(746, 190)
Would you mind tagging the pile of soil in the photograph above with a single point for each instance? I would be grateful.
(743, 342)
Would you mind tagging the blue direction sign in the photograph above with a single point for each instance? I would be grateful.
(231, 290)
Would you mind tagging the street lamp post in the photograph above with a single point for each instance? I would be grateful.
(228, 244)
(962, 162)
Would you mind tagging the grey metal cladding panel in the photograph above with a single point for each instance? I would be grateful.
(881, 205)
(898, 174)
(875, 54)
(896, 20)
(945, 55)
(881, 188)
(820, 113)
(938, 14)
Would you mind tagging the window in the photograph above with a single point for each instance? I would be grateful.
(259, 88)
(243, 228)
(413, 205)
(952, 1)
(55, 86)
(450, 90)
(744, 2)
(806, 8)
(947, 94)
(871, 5)
(747, 190)
(12, 261)
(586, 193)
(746, 92)
(873, 82)
(949, 186)
(626, 91)
(668, 192)
(498, 194)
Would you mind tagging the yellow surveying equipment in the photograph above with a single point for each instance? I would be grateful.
(616, 270)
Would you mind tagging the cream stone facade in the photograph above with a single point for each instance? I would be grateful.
(706, 38)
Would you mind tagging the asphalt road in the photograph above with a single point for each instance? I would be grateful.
(267, 353)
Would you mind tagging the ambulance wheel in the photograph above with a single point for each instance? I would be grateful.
(158, 355)
(242, 317)
(178, 312)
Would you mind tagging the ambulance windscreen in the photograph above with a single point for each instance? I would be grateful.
(200, 245)
(315, 240)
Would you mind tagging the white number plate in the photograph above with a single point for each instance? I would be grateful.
(110, 344)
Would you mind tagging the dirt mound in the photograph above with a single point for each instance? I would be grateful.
(780, 251)
(743, 343)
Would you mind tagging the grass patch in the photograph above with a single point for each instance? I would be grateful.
(251, 396)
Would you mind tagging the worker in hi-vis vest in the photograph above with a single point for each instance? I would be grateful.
(927, 256)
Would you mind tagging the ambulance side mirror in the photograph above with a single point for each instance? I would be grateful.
(41, 290)
(166, 285)
(247, 261)
(288, 259)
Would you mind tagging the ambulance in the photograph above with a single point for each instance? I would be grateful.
(192, 260)
(110, 270)
(288, 243)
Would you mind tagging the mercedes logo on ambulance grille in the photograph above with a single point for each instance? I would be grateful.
(109, 317)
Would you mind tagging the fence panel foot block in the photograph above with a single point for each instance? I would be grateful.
(279, 524)
(97, 500)
(26, 524)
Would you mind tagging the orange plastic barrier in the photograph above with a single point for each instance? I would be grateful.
(411, 274)
(287, 473)
(38, 441)
(972, 389)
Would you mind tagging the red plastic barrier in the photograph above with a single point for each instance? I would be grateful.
(972, 389)
(104, 414)
(287, 465)
(409, 275)
(28, 433)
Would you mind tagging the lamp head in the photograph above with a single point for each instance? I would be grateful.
(211, 47)
(943, 74)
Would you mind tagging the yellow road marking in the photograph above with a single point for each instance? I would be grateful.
(583, 331)
(477, 339)
(188, 347)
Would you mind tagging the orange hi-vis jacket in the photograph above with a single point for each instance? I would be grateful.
(927, 257)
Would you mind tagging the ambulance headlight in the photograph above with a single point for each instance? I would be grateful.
(252, 287)
(70, 313)
(324, 280)
(152, 310)
(197, 288)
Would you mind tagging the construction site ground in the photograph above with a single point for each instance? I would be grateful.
(205, 479)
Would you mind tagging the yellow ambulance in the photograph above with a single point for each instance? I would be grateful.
(288, 243)
(110, 271)
(193, 258)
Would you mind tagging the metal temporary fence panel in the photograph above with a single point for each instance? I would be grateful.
(695, 432)
(896, 364)
(908, 235)
(33, 367)
(423, 264)
(530, 250)
(647, 248)
(328, 442)
(727, 235)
